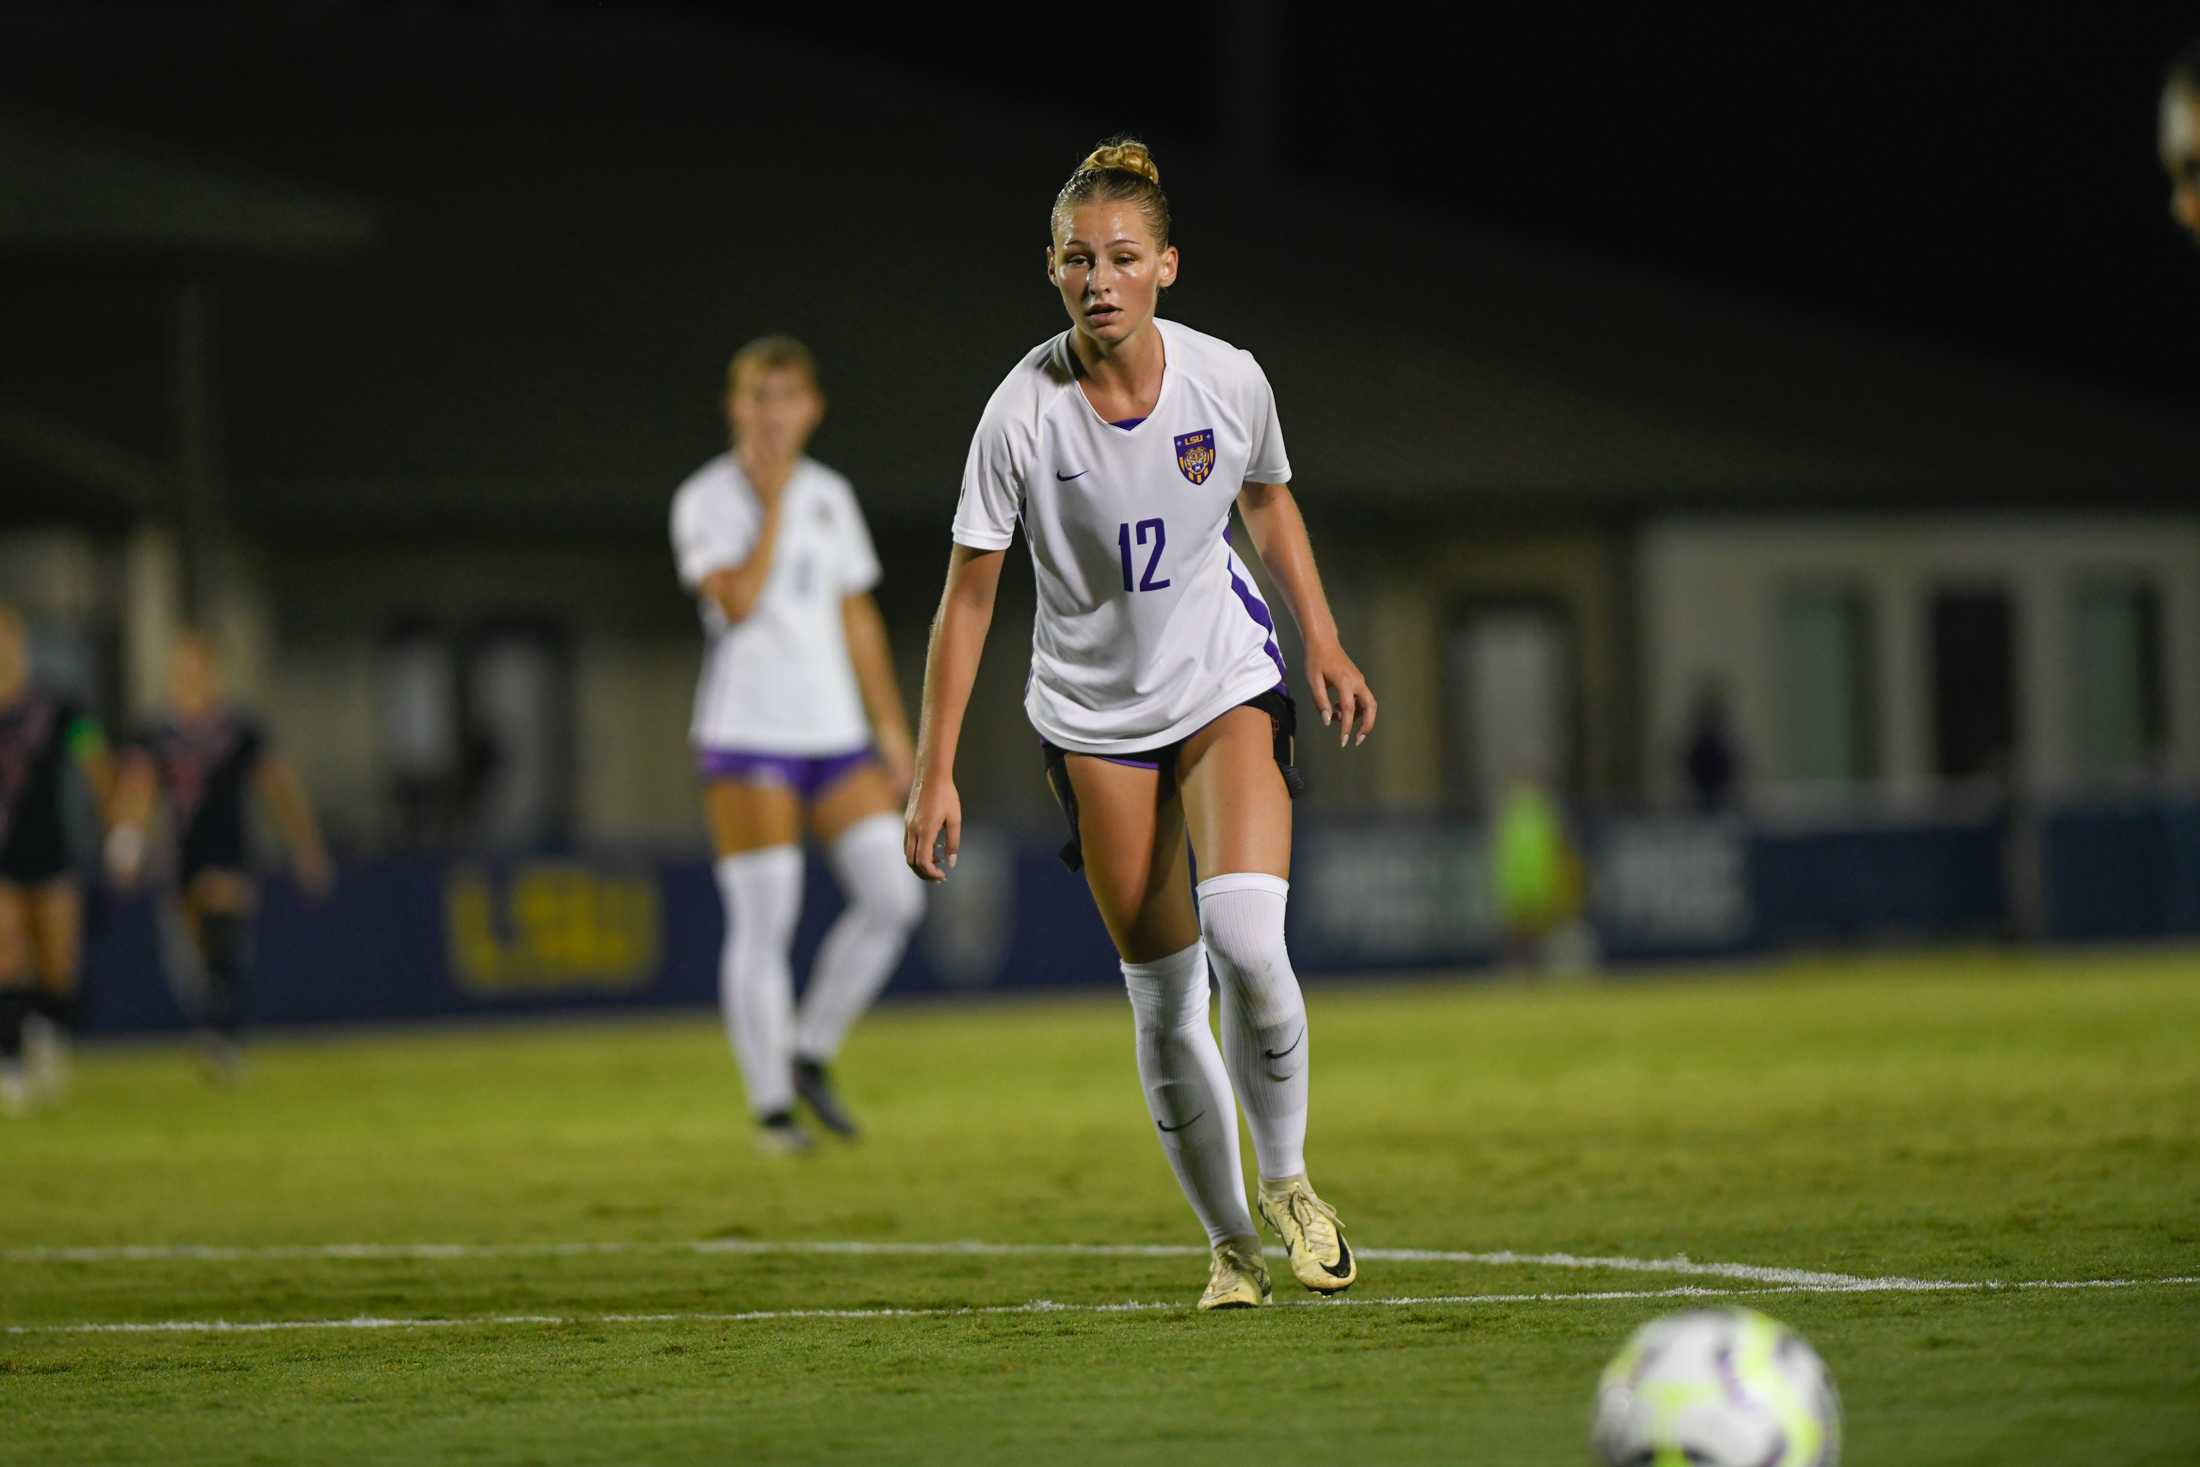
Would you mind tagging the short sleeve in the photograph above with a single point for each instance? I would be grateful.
(710, 532)
(859, 557)
(992, 487)
(1266, 462)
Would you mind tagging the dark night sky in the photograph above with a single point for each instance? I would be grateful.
(1980, 174)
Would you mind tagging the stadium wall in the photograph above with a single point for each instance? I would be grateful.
(1647, 616)
(1711, 604)
(409, 939)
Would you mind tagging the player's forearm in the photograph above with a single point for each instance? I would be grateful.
(951, 659)
(302, 834)
(131, 804)
(1279, 535)
(736, 590)
(99, 773)
(128, 812)
(294, 817)
(873, 657)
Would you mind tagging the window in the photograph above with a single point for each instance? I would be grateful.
(519, 721)
(1513, 697)
(1974, 674)
(1825, 683)
(2116, 677)
(477, 733)
(417, 696)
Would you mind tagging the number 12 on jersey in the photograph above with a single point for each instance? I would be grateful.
(1159, 536)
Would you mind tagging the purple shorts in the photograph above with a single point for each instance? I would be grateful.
(807, 775)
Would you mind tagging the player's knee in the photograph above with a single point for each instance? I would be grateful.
(1248, 960)
(896, 902)
(761, 891)
(1242, 916)
(222, 939)
(1168, 994)
(1263, 988)
(59, 966)
(1161, 1013)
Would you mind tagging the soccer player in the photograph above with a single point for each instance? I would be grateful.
(1158, 693)
(41, 896)
(209, 759)
(797, 720)
(2180, 138)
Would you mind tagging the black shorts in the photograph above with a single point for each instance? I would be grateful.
(1283, 719)
(213, 844)
(35, 853)
(191, 865)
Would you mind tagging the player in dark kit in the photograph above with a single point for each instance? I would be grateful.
(209, 758)
(41, 896)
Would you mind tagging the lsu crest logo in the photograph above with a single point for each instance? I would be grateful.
(1195, 454)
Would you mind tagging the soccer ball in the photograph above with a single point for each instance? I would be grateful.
(1716, 1388)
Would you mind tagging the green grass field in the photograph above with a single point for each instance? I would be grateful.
(1967, 1119)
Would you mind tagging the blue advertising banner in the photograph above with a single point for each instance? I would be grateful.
(2128, 872)
(414, 938)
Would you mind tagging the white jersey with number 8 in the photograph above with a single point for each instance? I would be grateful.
(1148, 626)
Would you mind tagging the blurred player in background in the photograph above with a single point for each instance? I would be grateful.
(41, 895)
(2180, 138)
(797, 720)
(1156, 686)
(209, 759)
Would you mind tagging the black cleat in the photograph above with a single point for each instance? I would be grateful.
(816, 1089)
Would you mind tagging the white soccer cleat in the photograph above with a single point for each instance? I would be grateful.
(778, 1135)
(46, 1049)
(1238, 1278)
(15, 1092)
(219, 1057)
(1311, 1234)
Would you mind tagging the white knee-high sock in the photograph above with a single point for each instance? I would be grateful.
(1187, 1090)
(762, 892)
(885, 903)
(1263, 1013)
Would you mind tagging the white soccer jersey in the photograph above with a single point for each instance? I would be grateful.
(1147, 626)
(780, 680)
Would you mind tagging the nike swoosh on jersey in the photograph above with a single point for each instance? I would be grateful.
(1171, 1130)
(1062, 478)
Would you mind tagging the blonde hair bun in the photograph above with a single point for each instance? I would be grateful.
(1120, 170)
(1122, 155)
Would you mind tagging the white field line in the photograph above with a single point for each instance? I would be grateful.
(1036, 1306)
(1678, 1266)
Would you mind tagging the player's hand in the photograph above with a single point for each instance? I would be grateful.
(898, 757)
(1341, 694)
(315, 875)
(932, 830)
(125, 855)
